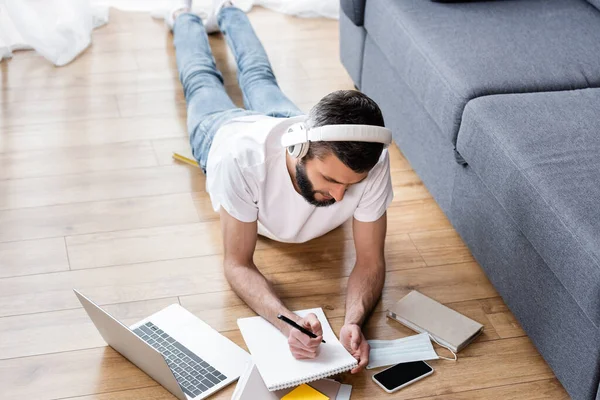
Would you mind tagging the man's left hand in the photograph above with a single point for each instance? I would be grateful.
(354, 341)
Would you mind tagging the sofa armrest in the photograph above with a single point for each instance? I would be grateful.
(355, 10)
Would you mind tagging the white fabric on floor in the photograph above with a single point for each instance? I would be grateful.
(57, 29)
(61, 29)
(300, 8)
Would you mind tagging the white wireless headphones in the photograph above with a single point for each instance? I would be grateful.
(298, 136)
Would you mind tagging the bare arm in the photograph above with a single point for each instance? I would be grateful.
(239, 242)
(364, 286)
(367, 277)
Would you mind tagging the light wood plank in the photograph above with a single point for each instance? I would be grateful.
(144, 245)
(149, 393)
(397, 160)
(97, 186)
(165, 148)
(306, 107)
(33, 257)
(547, 389)
(506, 362)
(74, 86)
(136, 282)
(155, 60)
(446, 256)
(302, 91)
(125, 21)
(503, 320)
(36, 112)
(204, 206)
(20, 70)
(154, 103)
(407, 186)
(89, 133)
(172, 242)
(74, 373)
(506, 325)
(416, 216)
(445, 238)
(441, 247)
(53, 292)
(62, 331)
(77, 160)
(139, 39)
(101, 216)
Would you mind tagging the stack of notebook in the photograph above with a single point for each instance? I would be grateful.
(252, 387)
(277, 372)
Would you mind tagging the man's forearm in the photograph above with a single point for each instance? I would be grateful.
(364, 289)
(256, 291)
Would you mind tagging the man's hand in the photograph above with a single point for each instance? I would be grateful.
(354, 341)
(301, 345)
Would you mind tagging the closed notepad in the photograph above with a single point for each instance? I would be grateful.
(276, 364)
(446, 326)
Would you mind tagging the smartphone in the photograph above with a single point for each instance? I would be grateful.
(400, 375)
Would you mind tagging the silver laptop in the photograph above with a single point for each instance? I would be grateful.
(177, 349)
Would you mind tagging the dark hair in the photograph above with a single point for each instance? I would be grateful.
(346, 107)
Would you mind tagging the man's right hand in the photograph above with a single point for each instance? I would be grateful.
(301, 345)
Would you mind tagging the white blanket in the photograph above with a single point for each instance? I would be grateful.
(61, 29)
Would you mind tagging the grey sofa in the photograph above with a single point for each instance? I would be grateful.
(496, 104)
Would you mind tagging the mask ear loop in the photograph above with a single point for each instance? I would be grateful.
(445, 358)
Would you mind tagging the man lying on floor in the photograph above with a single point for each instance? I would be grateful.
(275, 172)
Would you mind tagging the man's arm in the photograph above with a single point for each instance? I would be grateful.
(239, 242)
(364, 285)
(367, 278)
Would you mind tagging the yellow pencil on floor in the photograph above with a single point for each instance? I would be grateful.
(184, 159)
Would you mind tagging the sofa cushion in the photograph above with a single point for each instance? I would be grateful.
(352, 46)
(451, 53)
(539, 155)
(595, 3)
(354, 10)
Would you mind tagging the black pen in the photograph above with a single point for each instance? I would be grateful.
(295, 325)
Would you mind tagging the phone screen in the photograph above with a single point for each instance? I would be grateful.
(400, 374)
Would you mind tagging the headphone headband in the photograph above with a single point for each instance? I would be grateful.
(298, 134)
(350, 133)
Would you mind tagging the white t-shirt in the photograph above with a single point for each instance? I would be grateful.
(247, 176)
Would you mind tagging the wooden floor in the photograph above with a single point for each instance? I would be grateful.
(90, 198)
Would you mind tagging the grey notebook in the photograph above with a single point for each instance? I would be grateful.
(423, 314)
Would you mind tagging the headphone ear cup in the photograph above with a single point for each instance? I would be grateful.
(303, 149)
(294, 151)
(298, 150)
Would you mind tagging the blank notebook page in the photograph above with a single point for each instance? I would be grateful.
(278, 368)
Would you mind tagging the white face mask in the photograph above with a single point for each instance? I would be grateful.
(412, 348)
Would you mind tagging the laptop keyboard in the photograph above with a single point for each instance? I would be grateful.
(194, 375)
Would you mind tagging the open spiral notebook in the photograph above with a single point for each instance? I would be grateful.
(272, 356)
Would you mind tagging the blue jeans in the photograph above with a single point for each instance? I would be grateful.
(208, 105)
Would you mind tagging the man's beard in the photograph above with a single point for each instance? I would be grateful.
(306, 188)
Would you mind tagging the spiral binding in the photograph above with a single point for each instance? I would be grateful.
(322, 375)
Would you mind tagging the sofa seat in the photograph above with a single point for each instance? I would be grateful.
(539, 156)
(449, 54)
